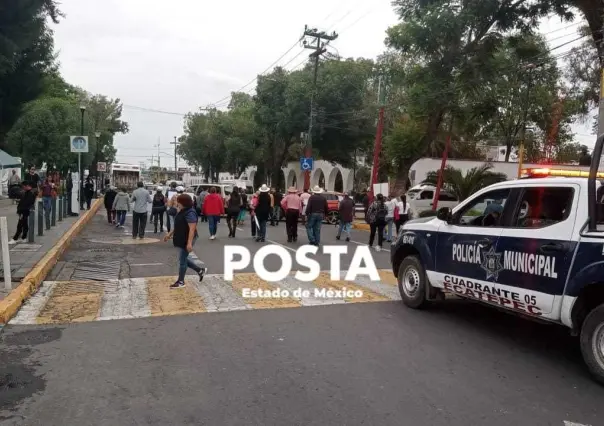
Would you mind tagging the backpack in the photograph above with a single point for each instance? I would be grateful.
(382, 212)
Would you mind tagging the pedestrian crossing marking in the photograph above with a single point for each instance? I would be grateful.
(387, 277)
(324, 281)
(72, 301)
(252, 282)
(166, 301)
(63, 302)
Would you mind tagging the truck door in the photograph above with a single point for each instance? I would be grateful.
(464, 248)
(537, 250)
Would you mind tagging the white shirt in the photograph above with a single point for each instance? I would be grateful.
(390, 205)
(402, 209)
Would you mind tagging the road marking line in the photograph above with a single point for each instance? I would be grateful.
(146, 264)
(128, 300)
(252, 282)
(30, 311)
(217, 294)
(324, 281)
(291, 284)
(364, 244)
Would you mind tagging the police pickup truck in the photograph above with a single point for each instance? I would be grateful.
(533, 246)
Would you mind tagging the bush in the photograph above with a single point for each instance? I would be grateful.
(427, 213)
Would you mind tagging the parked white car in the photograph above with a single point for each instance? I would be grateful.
(421, 198)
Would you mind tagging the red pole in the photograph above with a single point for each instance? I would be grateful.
(441, 172)
(307, 154)
(376, 153)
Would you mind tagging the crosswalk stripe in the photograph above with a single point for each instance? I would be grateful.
(59, 302)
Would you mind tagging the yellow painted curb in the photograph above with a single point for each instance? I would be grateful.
(11, 304)
(360, 225)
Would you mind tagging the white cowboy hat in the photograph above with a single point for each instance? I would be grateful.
(292, 190)
(180, 189)
(159, 188)
(317, 190)
(264, 188)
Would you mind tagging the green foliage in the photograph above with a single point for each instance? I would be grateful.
(26, 55)
(463, 186)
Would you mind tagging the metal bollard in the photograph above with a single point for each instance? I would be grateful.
(60, 217)
(53, 213)
(40, 218)
(5, 253)
(32, 225)
(65, 206)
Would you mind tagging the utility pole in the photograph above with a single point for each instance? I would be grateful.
(529, 86)
(318, 48)
(378, 139)
(175, 143)
(443, 165)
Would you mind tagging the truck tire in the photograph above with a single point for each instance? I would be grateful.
(412, 282)
(592, 343)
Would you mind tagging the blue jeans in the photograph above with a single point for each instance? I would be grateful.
(47, 203)
(389, 224)
(344, 226)
(262, 229)
(213, 224)
(121, 217)
(313, 228)
(188, 260)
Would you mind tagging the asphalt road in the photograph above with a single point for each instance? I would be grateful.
(351, 364)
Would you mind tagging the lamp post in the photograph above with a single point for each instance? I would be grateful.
(80, 172)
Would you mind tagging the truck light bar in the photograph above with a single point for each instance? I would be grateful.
(548, 172)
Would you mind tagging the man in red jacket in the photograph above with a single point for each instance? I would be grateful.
(213, 208)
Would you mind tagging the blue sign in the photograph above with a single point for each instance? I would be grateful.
(306, 164)
(79, 143)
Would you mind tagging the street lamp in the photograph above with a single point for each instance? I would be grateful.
(80, 172)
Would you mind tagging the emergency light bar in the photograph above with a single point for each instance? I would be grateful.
(548, 172)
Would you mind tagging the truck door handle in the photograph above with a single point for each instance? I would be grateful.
(486, 243)
(551, 247)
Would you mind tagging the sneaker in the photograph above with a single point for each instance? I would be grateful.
(202, 273)
(177, 284)
(347, 239)
(338, 237)
(12, 242)
(378, 248)
(213, 237)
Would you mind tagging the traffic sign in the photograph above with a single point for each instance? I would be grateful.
(101, 166)
(306, 164)
(78, 143)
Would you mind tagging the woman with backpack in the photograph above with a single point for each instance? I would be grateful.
(376, 217)
(233, 210)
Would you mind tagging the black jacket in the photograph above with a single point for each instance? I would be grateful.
(181, 229)
(109, 198)
(27, 202)
(263, 208)
(317, 204)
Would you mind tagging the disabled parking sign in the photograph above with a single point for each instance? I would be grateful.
(306, 164)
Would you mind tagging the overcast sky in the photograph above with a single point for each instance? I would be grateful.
(179, 55)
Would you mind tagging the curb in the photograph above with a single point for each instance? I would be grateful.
(11, 304)
(361, 226)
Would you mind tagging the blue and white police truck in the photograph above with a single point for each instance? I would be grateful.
(533, 246)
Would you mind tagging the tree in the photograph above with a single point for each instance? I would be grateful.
(26, 55)
(464, 186)
(443, 45)
(41, 135)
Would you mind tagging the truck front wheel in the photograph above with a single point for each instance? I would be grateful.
(592, 342)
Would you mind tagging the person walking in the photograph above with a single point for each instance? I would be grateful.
(253, 219)
(47, 187)
(141, 199)
(292, 206)
(110, 195)
(403, 213)
(14, 186)
(263, 210)
(200, 198)
(316, 210)
(391, 206)
(34, 180)
(376, 217)
(121, 205)
(158, 209)
(346, 213)
(232, 211)
(213, 208)
(24, 207)
(88, 192)
(244, 206)
(304, 198)
(277, 198)
(171, 192)
(184, 235)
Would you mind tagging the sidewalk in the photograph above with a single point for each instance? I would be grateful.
(24, 256)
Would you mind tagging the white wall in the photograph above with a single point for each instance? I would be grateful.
(420, 169)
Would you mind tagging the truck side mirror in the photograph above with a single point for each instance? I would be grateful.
(444, 214)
